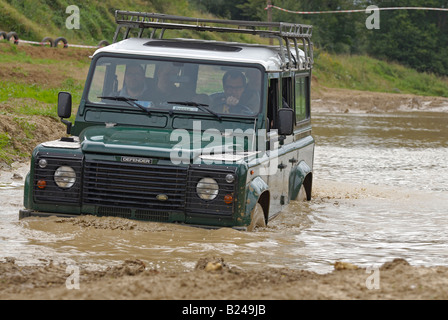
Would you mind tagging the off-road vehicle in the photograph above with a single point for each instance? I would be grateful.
(190, 131)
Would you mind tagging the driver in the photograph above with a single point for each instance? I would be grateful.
(235, 99)
(134, 83)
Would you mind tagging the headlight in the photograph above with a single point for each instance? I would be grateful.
(207, 189)
(65, 177)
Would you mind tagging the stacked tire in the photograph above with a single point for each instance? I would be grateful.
(8, 36)
(54, 43)
(60, 39)
(47, 41)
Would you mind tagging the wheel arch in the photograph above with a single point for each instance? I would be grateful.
(257, 192)
(302, 174)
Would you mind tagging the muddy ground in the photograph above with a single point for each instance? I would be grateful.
(212, 277)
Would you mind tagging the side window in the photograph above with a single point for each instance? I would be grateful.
(302, 99)
(272, 103)
(287, 93)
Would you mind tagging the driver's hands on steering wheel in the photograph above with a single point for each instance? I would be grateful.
(232, 101)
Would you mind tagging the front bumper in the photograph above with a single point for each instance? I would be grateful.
(25, 213)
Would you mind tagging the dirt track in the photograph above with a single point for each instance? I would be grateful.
(132, 280)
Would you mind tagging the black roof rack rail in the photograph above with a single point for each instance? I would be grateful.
(288, 34)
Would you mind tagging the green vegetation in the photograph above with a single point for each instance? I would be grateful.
(416, 38)
(10, 89)
(36, 19)
(5, 141)
(347, 55)
(360, 72)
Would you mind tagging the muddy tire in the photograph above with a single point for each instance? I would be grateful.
(257, 218)
(13, 35)
(3, 35)
(301, 196)
(47, 40)
(64, 41)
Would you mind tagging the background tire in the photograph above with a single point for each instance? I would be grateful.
(3, 35)
(13, 35)
(103, 43)
(47, 40)
(57, 40)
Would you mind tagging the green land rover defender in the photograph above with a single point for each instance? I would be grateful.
(199, 132)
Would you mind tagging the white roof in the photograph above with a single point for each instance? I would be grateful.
(267, 56)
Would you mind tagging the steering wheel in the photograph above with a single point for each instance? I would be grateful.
(245, 110)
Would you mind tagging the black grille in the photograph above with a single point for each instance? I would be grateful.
(153, 188)
(115, 212)
(220, 205)
(51, 192)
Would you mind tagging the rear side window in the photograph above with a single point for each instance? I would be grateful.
(302, 103)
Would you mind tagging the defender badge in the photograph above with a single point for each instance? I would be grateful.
(136, 160)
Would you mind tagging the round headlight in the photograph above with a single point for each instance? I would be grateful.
(207, 188)
(65, 177)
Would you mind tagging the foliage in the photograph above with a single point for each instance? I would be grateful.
(360, 72)
(418, 39)
(34, 20)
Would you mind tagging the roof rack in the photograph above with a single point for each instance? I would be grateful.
(288, 34)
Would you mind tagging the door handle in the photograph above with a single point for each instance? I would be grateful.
(293, 160)
(282, 166)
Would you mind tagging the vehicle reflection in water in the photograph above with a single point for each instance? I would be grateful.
(379, 193)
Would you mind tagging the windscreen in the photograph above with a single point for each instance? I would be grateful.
(175, 85)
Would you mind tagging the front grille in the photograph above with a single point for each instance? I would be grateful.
(158, 216)
(115, 212)
(152, 188)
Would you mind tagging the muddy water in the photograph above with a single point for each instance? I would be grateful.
(380, 192)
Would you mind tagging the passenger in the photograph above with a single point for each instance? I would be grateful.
(166, 90)
(134, 83)
(253, 79)
(232, 99)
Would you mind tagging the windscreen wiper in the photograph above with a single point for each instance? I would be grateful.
(130, 101)
(201, 106)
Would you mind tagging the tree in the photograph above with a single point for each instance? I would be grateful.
(415, 38)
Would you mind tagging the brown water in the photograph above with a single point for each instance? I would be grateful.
(380, 192)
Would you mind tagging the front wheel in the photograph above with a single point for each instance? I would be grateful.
(257, 218)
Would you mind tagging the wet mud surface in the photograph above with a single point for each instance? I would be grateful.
(375, 228)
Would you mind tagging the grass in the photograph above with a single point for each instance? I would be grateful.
(20, 99)
(5, 141)
(368, 74)
(36, 19)
(10, 90)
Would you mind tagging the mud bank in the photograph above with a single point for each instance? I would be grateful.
(213, 279)
(345, 101)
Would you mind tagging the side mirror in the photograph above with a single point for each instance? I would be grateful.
(64, 105)
(65, 108)
(285, 120)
